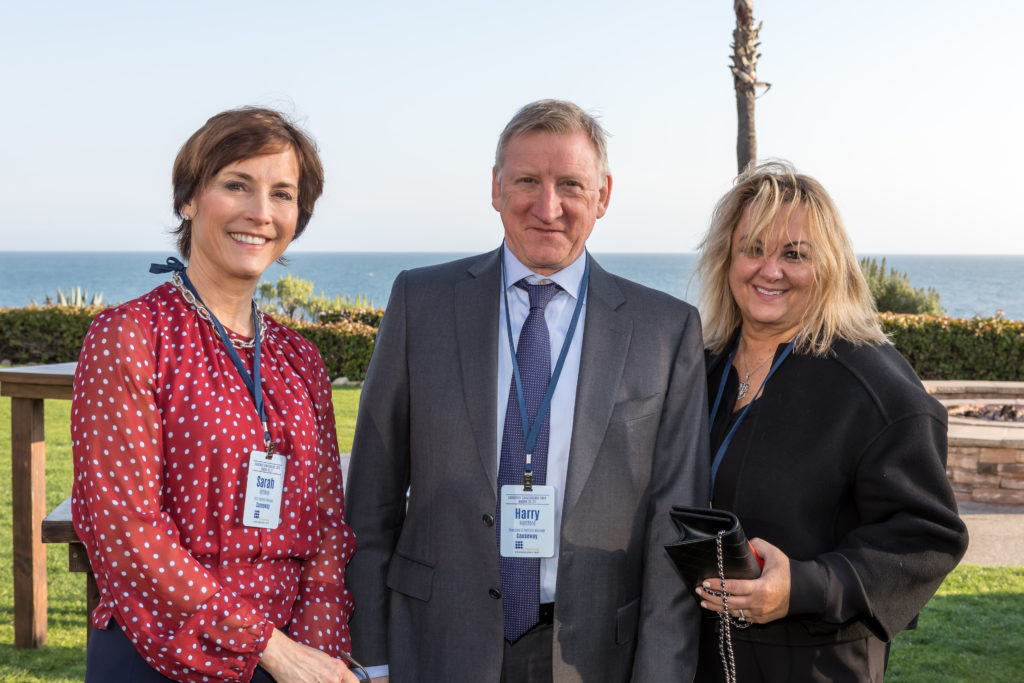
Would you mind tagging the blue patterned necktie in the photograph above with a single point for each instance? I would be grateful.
(520, 577)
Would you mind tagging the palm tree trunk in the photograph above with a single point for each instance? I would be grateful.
(744, 72)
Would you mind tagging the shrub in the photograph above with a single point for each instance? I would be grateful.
(367, 316)
(288, 296)
(892, 291)
(50, 334)
(346, 345)
(54, 334)
(937, 347)
(322, 303)
(958, 348)
(293, 297)
(75, 297)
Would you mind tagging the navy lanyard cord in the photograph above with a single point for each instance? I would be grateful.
(718, 399)
(530, 434)
(721, 387)
(252, 382)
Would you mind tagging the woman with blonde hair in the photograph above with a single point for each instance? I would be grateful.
(824, 443)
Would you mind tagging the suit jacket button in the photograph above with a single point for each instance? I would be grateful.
(495, 593)
(488, 519)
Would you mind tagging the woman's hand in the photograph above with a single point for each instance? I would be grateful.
(288, 661)
(761, 600)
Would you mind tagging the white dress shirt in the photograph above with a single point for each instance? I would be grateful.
(558, 315)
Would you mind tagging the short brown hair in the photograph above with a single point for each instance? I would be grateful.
(235, 135)
(558, 117)
(841, 306)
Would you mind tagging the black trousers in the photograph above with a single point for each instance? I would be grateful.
(855, 661)
(112, 657)
(528, 660)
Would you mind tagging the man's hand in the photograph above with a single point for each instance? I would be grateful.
(761, 600)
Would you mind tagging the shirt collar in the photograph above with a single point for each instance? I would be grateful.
(568, 278)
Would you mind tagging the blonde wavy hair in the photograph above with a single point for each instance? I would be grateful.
(840, 306)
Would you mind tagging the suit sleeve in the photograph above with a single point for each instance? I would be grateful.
(669, 626)
(378, 479)
(887, 569)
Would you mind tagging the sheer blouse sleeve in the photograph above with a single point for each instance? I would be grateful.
(186, 625)
(323, 604)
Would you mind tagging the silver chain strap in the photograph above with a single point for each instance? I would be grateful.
(724, 622)
(204, 313)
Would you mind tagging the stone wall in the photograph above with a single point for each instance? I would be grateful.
(986, 459)
(986, 474)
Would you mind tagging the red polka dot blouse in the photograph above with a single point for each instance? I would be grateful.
(162, 427)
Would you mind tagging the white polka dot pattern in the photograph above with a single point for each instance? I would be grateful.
(162, 427)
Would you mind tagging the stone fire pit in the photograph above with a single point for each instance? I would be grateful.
(988, 412)
(986, 457)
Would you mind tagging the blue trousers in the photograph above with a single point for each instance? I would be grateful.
(112, 657)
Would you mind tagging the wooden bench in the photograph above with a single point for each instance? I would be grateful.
(57, 528)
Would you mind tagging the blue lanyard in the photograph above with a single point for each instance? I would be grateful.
(530, 433)
(252, 382)
(718, 400)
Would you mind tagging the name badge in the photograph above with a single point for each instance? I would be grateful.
(527, 521)
(263, 490)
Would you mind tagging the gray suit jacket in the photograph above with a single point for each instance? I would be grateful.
(425, 578)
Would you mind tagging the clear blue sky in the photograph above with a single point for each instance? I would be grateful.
(908, 111)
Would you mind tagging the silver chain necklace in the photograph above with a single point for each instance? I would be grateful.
(745, 384)
(204, 313)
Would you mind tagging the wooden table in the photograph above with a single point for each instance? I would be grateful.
(27, 388)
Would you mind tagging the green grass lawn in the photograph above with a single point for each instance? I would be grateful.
(972, 630)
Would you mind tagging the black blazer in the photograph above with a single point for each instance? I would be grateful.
(841, 464)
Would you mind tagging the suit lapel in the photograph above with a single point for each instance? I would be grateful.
(476, 329)
(605, 344)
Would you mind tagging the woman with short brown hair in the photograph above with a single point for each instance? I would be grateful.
(208, 487)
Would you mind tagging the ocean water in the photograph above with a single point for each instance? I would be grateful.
(967, 285)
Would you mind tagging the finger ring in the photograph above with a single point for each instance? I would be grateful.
(742, 618)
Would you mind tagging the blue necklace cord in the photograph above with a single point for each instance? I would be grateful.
(720, 454)
(252, 382)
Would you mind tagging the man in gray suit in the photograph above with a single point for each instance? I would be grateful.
(443, 593)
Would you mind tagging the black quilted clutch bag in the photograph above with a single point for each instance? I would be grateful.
(696, 551)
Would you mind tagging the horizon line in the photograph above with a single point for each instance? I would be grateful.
(469, 253)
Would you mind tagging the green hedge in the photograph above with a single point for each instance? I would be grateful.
(368, 316)
(346, 345)
(958, 348)
(54, 334)
(937, 348)
(36, 334)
